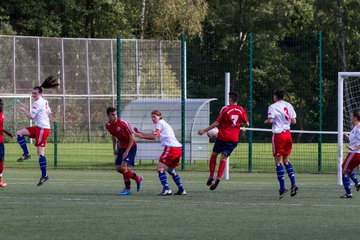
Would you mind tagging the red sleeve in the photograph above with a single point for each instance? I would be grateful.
(107, 127)
(221, 114)
(245, 116)
(127, 127)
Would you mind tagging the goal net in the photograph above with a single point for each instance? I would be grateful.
(348, 100)
(14, 119)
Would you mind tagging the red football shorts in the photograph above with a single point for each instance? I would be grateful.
(281, 143)
(171, 156)
(40, 135)
(351, 161)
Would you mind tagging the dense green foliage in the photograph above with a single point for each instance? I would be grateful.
(285, 42)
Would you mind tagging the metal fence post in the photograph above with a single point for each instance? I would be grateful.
(56, 145)
(183, 99)
(250, 134)
(320, 104)
(118, 74)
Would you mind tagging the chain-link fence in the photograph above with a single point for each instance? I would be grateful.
(307, 68)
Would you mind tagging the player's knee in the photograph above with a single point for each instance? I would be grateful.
(171, 171)
(119, 169)
(160, 169)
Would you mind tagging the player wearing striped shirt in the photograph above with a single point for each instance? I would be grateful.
(281, 114)
(352, 159)
(171, 155)
(125, 154)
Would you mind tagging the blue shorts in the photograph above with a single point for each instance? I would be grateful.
(224, 147)
(130, 159)
(2, 151)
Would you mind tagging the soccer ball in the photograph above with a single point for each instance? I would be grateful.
(212, 133)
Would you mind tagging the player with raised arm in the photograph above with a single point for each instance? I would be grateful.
(352, 159)
(2, 146)
(228, 121)
(125, 154)
(171, 155)
(40, 112)
(281, 114)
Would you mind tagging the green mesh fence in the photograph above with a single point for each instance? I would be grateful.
(151, 78)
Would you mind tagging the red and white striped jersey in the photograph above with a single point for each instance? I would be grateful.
(281, 112)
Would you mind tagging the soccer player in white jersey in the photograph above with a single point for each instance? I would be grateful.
(352, 159)
(281, 114)
(171, 155)
(40, 112)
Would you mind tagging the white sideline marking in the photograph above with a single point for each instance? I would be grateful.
(87, 201)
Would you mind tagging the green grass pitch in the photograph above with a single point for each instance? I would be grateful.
(99, 156)
(85, 205)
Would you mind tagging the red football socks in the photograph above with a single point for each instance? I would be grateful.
(222, 166)
(1, 167)
(212, 165)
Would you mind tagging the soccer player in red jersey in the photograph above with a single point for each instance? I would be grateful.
(2, 147)
(228, 121)
(125, 154)
(281, 114)
(352, 159)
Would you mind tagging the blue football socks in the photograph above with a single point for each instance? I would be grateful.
(42, 164)
(163, 180)
(175, 176)
(280, 175)
(290, 172)
(353, 177)
(22, 142)
(346, 183)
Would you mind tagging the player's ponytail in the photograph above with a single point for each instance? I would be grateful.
(1, 105)
(50, 82)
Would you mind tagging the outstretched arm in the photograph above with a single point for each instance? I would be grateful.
(142, 135)
(26, 112)
(214, 124)
(7, 133)
(269, 120)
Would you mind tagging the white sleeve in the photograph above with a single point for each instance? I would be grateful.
(34, 109)
(292, 112)
(271, 112)
(357, 133)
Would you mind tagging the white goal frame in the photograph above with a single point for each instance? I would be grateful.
(341, 77)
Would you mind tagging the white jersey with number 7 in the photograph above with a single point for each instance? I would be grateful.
(281, 112)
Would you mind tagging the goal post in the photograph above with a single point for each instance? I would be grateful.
(348, 92)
